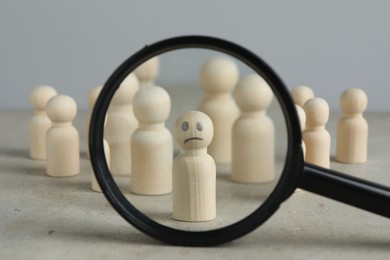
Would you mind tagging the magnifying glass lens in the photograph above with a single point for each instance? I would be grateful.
(209, 145)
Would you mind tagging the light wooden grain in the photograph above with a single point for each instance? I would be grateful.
(62, 139)
(121, 124)
(39, 122)
(151, 143)
(194, 170)
(218, 78)
(148, 72)
(352, 128)
(301, 94)
(315, 136)
(253, 155)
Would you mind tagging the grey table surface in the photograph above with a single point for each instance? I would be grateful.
(57, 218)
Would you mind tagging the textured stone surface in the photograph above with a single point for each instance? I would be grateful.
(56, 218)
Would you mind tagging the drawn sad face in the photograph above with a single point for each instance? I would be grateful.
(193, 130)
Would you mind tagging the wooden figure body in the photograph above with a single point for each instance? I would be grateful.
(253, 136)
(218, 78)
(92, 97)
(121, 124)
(62, 139)
(315, 136)
(194, 171)
(39, 122)
(148, 72)
(151, 143)
(302, 121)
(301, 94)
(352, 128)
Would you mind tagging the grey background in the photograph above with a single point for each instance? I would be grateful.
(74, 45)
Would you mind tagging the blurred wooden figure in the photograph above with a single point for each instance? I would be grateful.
(121, 124)
(302, 121)
(93, 95)
(194, 170)
(253, 136)
(39, 122)
(148, 71)
(301, 94)
(151, 143)
(315, 136)
(62, 139)
(218, 78)
(352, 128)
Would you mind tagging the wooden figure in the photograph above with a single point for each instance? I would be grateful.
(301, 94)
(62, 139)
(302, 121)
(352, 128)
(218, 78)
(39, 122)
(315, 136)
(194, 170)
(92, 97)
(253, 136)
(151, 143)
(148, 72)
(120, 126)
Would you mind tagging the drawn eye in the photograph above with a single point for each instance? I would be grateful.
(185, 126)
(199, 126)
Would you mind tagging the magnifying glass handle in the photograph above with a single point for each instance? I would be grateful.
(347, 189)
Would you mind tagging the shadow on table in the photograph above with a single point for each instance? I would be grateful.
(133, 236)
(117, 231)
(14, 153)
(99, 233)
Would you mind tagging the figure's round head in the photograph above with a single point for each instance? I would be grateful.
(193, 130)
(152, 105)
(93, 95)
(218, 75)
(301, 94)
(252, 93)
(317, 112)
(148, 71)
(353, 101)
(40, 96)
(61, 109)
(125, 93)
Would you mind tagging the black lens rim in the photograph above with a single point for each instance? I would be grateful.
(291, 175)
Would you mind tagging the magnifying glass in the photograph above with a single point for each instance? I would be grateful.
(152, 214)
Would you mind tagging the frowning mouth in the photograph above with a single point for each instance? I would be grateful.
(193, 138)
